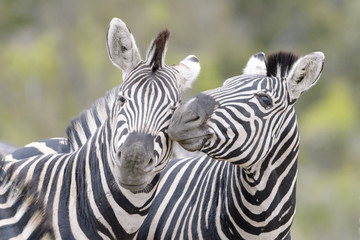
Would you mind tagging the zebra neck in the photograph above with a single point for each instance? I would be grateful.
(117, 209)
(276, 172)
(264, 195)
(139, 200)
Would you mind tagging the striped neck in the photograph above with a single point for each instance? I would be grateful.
(264, 195)
(107, 207)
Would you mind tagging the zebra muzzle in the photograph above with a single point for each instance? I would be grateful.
(189, 124)
(136, 162)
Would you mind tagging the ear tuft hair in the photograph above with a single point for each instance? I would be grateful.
(279, 64)
(256, 65)
(158, 49)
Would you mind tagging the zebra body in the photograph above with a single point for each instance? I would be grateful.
(82, 203)
(100, 181)
(6, 148)
(250, 125)
(16, 198)
(77, 133)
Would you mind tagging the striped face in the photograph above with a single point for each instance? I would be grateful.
(147, 99)
(140, 117)
(144, 106)
(241, 118)
(240, 121)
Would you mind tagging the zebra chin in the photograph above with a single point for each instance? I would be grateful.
(135, 182)
(134, 178)
(195, 143)
(134, 188)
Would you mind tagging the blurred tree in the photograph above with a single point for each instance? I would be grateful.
(15, 14)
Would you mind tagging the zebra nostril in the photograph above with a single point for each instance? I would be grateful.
(150, 166)
(193, 120)
(152, 162)
(196, 118)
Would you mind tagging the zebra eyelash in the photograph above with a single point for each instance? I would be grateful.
(265, 100)
(122, 100)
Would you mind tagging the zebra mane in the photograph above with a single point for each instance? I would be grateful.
(157, 50)
(279, 64)
(83, 126)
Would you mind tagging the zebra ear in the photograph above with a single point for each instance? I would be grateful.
(256, 65)
(189, 70)
(304, 74)
(121, 46)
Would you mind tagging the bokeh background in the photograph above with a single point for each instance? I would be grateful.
(54, 63)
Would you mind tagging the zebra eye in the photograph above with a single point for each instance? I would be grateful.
(172, 108)
(265, 100)
(122, 100)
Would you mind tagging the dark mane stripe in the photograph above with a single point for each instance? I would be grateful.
(79, 130)
(279, 64)
(158, 47)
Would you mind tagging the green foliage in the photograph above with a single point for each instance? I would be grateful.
(30, 71)
(158, 11)
(335, 112)
(91, 57)
(15, 14)
(35, 60)
(209, 77)
(330, 194)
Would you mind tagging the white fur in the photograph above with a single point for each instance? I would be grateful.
(189, 70)
(309, 67)
(255, 65)
(122, 48)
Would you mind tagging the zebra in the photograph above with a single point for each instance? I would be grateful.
(30, 219)
(244, 188)
(101, 183)
(6, 148)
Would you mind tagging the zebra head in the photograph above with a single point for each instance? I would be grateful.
(241, 120)
(144, 104)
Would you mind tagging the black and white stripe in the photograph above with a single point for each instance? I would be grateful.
(16, 198)
(250, 125)
(6, 148)
(100, 181)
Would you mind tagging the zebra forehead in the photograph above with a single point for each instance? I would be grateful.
(247, 83)
(159, 85)
(143, 73)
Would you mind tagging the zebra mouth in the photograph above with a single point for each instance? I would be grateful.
(195, 143)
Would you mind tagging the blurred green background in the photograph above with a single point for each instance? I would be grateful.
(53, 64)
